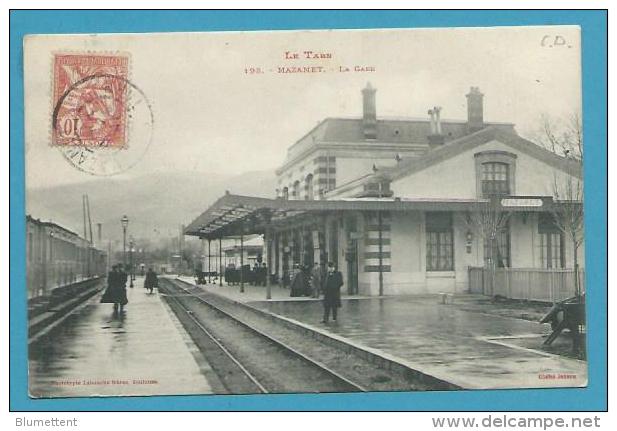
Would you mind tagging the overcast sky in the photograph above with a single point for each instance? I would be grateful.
(212, 117)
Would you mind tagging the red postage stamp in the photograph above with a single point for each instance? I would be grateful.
(90, 93)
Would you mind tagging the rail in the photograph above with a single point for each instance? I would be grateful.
(261, 388)
(313, 362)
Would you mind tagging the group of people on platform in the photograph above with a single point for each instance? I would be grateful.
(115, 293)
(317, 282)
(302, 281)
(255, 275)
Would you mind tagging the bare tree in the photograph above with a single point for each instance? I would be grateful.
(565, 138)
(568, 215)
(488, 219)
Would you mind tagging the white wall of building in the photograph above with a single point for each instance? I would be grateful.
(408, 258)
(408, 255)
(456, 177)
(409, 275)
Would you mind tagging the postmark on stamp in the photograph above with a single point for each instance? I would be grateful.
(102, 122)
(90, 92)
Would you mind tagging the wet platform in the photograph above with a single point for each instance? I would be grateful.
(469, 349)
(142, 351)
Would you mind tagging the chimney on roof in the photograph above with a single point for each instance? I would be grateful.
(431, 115)
(369, 116)
(436, 137)
(437, 111)
(475, 110)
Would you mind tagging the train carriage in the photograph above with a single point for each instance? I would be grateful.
(57, 257)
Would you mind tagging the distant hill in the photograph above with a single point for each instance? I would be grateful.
(155, 204)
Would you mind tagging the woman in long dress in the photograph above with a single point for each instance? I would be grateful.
(299, 282)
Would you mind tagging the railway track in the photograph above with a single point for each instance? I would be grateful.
(246, 359)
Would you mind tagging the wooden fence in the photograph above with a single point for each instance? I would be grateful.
(546, 285)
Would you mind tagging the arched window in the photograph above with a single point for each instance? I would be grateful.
(308, 187)
(285, 193)
(495, 173)
(295, 191)
(495, 179)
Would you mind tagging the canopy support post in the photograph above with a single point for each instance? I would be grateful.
(209, 259)
(242, 260)
(267, 240)
(220, 261)
(380, 222)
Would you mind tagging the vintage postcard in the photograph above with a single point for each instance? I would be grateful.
(304, 211)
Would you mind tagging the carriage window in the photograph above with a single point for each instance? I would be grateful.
(439, 242)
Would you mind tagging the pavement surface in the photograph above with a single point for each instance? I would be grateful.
(464, 345)
(143, 351)
(470, 349)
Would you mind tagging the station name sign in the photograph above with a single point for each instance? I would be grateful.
(521, 202)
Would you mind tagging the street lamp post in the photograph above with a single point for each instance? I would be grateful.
(140, 255)
(125, 223)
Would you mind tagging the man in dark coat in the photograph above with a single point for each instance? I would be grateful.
(332, 292)
(116, 289)
(151, 280)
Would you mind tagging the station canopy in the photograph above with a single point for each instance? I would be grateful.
(235, 215)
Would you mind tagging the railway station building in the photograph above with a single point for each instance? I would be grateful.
(411, 206)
